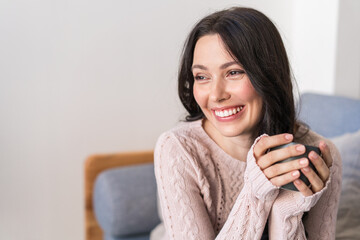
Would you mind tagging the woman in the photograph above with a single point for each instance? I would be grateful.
(215, 174)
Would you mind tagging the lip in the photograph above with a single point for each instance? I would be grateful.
(229, 118)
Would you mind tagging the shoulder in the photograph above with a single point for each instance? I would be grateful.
(181, 141)
(177, 154)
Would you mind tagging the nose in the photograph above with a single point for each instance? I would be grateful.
(218, 91)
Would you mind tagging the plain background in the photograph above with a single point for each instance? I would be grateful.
(81, 77)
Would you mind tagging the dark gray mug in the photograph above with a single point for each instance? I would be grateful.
(291, 186)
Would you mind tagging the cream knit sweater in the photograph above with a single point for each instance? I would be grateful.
(206, 194)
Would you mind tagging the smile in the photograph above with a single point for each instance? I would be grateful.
(223, 113)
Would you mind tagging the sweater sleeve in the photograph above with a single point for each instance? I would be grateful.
(285, 221)
(183, 208)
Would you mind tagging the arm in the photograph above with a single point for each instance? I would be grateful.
(285, 220)
(183, 206)
(249, 214)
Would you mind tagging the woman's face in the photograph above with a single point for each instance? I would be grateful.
(223, 90)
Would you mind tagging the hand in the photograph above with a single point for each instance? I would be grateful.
(281, 173)
(322, 165)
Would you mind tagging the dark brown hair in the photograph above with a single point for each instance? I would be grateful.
(253, 40)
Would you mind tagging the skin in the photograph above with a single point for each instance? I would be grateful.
(220, 81)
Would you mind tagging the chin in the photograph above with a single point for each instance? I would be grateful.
(232, 132)
(233, 129)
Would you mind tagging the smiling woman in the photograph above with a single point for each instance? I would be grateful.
(215, 174)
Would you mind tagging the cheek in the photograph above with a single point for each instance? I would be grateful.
(247, 91)
(253, 97)
(199, 95)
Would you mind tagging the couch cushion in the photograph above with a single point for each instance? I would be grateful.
(125, 200)
(348, 222)
(140, 237)
(330, 116)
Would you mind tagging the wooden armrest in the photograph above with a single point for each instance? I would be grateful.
(94, 165)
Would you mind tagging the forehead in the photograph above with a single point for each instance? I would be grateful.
(210, 50)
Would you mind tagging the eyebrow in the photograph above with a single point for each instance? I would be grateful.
(223, 66)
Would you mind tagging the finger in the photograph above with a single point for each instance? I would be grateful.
(281, 168)
(280, 154)
(285, 178)
(325, 151)
(301, 186)
(320, 165)
(316, 183)
(267, 142)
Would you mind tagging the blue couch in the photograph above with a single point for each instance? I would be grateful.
(125, 198)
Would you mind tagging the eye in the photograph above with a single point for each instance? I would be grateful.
(199, 77)
(236, 72)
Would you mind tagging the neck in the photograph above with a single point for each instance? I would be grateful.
(237, 146)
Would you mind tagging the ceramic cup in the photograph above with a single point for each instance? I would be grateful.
(291, 186)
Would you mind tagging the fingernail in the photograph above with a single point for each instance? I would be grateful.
(306, 169)
(295, 174)
(297, 181)
(300, 148)
(314, 155)
(288, 136)
(303, 161)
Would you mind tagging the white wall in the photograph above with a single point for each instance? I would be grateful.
(348, 49)
(314, 44)
(325, 49)
(82, 77)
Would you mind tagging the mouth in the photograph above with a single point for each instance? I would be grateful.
(228, 113)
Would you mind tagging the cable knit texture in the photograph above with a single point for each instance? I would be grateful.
(206, 194)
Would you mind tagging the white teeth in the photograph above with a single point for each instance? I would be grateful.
(228, 112)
